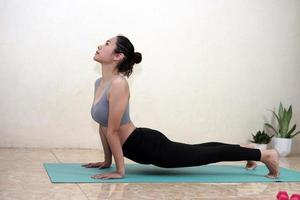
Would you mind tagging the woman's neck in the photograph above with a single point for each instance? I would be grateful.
(108, 73)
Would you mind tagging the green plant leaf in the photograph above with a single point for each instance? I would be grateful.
(261, 138)
(278, 133)
(284, 124)
(294, 134)
(271, 127)
(292, 130)
(289, 114)
(280, 111)
(278, 119)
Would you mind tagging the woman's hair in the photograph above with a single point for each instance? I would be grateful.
(125, 46)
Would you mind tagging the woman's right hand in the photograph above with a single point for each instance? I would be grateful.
(100, 165)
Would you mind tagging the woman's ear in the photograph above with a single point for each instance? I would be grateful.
(118, 56)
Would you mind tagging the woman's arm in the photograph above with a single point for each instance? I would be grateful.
(107, 151)
(118, 99)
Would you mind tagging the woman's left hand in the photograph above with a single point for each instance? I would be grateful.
(108, 175)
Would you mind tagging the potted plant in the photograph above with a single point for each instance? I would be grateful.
(282, 141)
(261, 140)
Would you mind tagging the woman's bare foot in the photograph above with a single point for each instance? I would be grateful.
(250, 165)
(270, 158)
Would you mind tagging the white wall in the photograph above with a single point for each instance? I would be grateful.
(210, 69)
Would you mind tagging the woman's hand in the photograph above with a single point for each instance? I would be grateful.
(100, 165)
(112, 175)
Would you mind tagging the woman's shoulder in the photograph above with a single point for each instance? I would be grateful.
(119, 82)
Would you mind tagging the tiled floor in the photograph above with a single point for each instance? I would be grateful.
(22, 176)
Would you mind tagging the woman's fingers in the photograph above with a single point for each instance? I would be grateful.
(97, 176)
(100, 176)
(107, 175)
(100, 165)
(90, 165)
(103, 166)
(86, 165)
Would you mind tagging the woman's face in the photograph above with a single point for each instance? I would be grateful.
(105, 52)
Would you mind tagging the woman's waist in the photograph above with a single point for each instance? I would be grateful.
(125, 131)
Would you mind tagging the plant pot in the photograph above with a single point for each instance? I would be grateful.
(282, 145)
(260, 146)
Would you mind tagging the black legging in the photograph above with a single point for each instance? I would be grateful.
(149, 146)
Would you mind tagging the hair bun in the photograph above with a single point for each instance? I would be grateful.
(137, 57)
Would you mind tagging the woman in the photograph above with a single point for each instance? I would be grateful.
(121, 138)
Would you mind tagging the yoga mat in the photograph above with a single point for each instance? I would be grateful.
(138, 173)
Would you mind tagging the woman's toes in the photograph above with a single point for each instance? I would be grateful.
(269, 176)
(273, 176)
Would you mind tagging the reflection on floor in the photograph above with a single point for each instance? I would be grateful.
(22, 176)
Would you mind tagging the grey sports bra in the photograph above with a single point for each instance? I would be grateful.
(100, 109)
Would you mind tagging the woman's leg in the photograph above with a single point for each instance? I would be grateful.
(175, 154)
(150, 146)
(250, 163)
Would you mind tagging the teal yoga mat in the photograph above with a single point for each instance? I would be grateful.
(138, 173)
